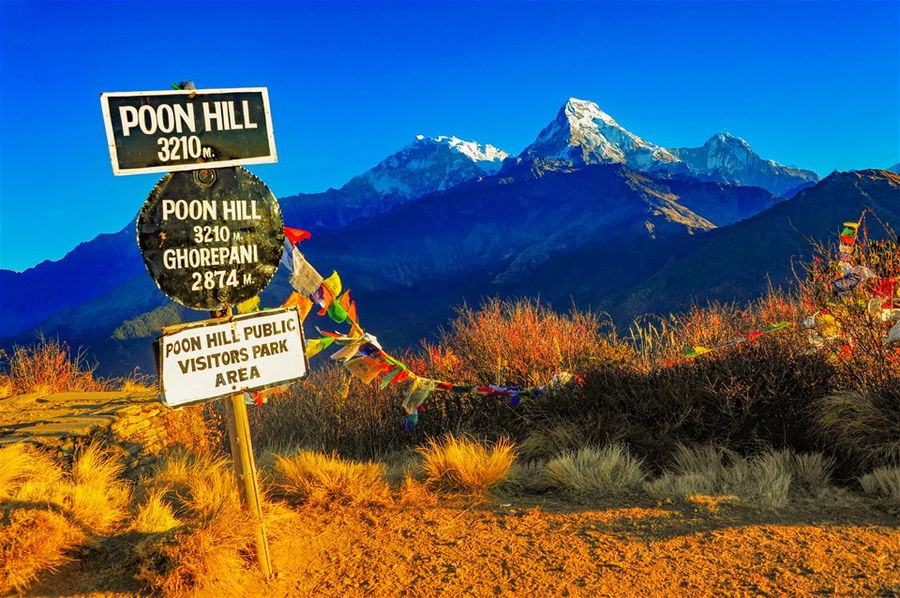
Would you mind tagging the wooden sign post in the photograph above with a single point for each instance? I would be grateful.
(211, 235)
(245, 468)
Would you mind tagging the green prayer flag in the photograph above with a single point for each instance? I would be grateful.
(337, 312)
(390, 376)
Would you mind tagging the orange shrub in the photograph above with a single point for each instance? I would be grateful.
(520, 343)
(47, 366)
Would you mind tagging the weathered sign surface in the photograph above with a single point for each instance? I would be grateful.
(168, 131)
(211, 238)
(217, 358)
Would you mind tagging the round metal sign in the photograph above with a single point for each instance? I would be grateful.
(211, 238)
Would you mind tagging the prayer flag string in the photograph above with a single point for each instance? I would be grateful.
(362, 355)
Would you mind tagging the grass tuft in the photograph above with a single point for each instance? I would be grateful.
(47, 511)
(883, 481)
(465, 465)
(33, 541)
(203, 560)
(611, 469)
(316, 478)
(198, 487)
(767, 480)
(197, 530)
(527, 477)
(154, 515)
(99, 497)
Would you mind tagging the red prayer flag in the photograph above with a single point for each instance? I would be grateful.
(403, 375)
(295, 235)
(884, 287)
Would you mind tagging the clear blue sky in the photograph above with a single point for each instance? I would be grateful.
(816, 84)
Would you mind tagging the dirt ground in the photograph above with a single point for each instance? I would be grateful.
(544, 547)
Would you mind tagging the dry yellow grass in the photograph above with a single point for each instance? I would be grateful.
(33, 541)
(98, 496)
(464, 465)
(883, 481)
(611, 469)
(21, 466)
(205, 559)
(197, 530)
(91, 494)
(316, 478)
(154, 515)
(197, 487)
(767, 480)
(46, 510)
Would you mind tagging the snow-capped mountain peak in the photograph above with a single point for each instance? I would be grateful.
(582, 133)
(426, 165)
(586, 113)
(729, 158)
(475, 151)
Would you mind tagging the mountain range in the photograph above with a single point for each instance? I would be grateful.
(589, 212)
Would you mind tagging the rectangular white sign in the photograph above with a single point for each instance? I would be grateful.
(216, 358)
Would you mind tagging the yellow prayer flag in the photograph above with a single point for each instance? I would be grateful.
(315, 346)
(303, 304)
(364, 368)
(828, 326)
(333, 284)
(292, 300)
(251, 304)
(355, 330)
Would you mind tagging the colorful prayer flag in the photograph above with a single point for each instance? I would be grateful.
(392, 375)
(250, 305)
(419, 389)
(304, 279)
(348, 351)
(884, 287)
(316, 345)
(337, 312)
(295, 235)
(365, 368)
(303, 304)
(333, 283)
(324, 297)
